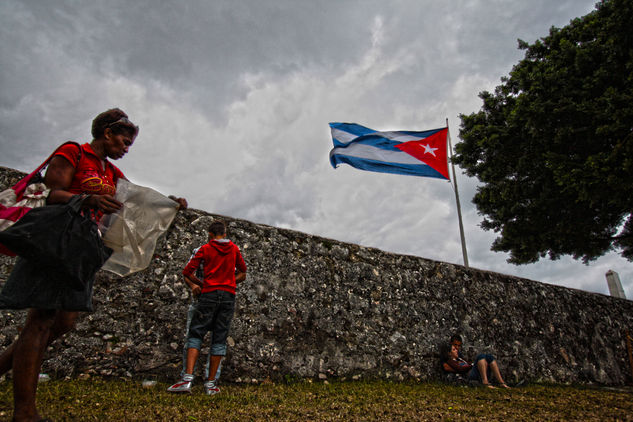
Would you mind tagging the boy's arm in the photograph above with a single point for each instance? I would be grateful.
(194, 284)
(240, 267)
(192, 266)
(239, 277)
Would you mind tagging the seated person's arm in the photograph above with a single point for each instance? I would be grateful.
(453, 365)
(458, 365)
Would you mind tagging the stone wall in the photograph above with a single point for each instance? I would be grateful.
(318, 308)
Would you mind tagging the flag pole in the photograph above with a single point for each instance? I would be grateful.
(459, 208)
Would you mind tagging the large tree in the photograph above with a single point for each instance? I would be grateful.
(553, 145)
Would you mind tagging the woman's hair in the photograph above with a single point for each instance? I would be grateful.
(116, 120)
(217, 228)
(445, 351)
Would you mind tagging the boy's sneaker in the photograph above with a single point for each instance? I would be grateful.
(182, 386)
(210, 388)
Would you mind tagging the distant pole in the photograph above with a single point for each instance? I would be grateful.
(615, 286)
(459, 208)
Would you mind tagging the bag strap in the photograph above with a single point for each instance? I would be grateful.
(20, 187)
(76, 201)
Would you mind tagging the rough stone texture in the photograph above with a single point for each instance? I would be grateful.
(319, 308)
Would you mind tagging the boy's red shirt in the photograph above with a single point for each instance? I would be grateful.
(220, 259)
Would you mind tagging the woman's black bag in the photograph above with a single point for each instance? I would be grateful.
(62, 240)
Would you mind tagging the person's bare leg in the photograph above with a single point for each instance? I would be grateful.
(215, 362)
(64, 322)
(497, 374)
(6, 359)
(482, 366)
(28, 353)
(192, 357)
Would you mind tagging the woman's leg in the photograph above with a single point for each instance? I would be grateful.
(64, 322)
(497, 374)
(28, 352)
(6, 359)
(482, 366)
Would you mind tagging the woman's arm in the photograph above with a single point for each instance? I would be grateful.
(59, 177)
(182, 202)
(458, 365)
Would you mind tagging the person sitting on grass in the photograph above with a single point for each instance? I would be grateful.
(484, 366)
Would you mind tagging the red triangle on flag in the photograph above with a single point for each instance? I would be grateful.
(430, 150)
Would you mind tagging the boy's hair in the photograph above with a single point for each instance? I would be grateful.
(217, 228)
(455, 337)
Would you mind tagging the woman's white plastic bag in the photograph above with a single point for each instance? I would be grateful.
(132, 232)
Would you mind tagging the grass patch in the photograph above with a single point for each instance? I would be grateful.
(99, 399)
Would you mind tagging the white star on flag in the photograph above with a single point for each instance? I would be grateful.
(428, 149)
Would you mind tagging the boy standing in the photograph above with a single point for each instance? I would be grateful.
(223, 268)
(181, 387)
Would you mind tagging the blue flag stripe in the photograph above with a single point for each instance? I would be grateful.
(374, 141)
(353, 128)
(358, 130)
(382, 167)
(343, 135)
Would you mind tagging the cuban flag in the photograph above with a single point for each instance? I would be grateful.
(399, 152)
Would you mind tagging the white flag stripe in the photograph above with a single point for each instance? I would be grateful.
(399, 136)
(378, 154)
(342, 136)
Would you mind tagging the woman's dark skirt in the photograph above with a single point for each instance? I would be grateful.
(31, 286)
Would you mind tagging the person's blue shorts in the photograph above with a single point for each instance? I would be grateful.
(214, 313)
(474, 374)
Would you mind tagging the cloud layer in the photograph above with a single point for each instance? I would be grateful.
(233, 101)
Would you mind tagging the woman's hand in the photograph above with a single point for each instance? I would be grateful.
(104, 203)
(182, 202)
(196, 290)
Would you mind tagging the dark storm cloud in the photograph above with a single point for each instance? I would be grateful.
(234, 97)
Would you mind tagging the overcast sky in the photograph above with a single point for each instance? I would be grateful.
(234, 98)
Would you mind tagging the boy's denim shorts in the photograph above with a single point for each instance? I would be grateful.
(214, 313)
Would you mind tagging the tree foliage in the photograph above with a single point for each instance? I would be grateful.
(553, 145)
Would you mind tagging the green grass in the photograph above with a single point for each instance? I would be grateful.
(117, 400)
